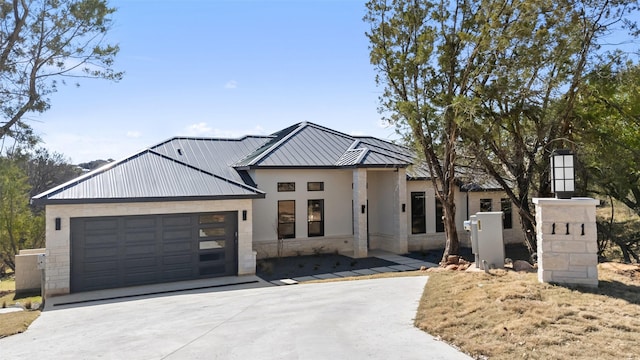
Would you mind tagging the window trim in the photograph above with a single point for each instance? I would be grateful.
(320, 183)
(486, 201)
(287, 236)
(321, 221)
(507, 222)
(286, 186)
(422, 217)
(439, 216)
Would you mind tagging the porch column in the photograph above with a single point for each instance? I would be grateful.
(400, 214)
(360, 213)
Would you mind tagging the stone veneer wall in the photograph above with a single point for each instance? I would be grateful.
(567, 241)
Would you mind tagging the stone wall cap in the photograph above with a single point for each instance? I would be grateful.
(577, 201)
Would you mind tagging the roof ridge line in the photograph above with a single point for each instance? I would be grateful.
(278, 143)
(91, 174)
(207, 172)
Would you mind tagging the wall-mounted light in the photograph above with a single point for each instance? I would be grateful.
(562, 174)
(58, 223)
(244, 215)
(363, 208)
(404, 207)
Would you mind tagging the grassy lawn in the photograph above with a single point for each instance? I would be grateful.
(507, 315)
(15, 322)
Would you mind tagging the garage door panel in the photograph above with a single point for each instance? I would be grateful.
(142, 222)
(106, 267)
(101, 239)
(106, 224)
(141, 236)
(110, 252)
(173, 220)
(141, 262)
(100, 253)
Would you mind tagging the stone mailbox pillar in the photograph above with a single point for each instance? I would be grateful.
(567, 241)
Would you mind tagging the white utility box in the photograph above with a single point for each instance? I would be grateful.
(486, 239)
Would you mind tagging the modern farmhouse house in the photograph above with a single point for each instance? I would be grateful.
(189, 208)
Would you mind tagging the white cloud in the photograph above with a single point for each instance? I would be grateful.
(133, 134)
(203, 129)
(231, 84)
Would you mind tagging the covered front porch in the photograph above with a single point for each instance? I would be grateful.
(379, 211)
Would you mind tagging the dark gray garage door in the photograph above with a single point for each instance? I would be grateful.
(118, 251)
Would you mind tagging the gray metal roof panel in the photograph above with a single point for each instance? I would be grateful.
(147, 175)
(213, 155)
(350, 157)
(310, 145)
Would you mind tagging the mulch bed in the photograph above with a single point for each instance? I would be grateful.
(308, 265)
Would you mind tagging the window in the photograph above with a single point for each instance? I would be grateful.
(286, 219)
(505, 207)
(418, 213)
(439, 216)
(286, 186)
(315, 218)
(315, 186)
(485, 205)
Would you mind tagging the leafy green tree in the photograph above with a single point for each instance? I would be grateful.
(42, 43)
(488, 83)
(608, 131)
(19, 229)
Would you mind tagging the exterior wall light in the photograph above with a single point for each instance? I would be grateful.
(562, 174)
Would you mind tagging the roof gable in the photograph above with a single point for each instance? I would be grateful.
(311, 145)
(147, 176)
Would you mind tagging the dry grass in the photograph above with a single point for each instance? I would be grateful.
(507, 315)
(16, 322)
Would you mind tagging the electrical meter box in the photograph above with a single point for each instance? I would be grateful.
(489, 249)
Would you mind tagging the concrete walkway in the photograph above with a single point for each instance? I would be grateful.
(403, 263)
(366, 319)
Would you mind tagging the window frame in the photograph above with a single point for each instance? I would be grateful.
(506, 206)
(287, 186)
(320, 183)
(281, 223)
(439, 216)
(483, 205)
(421, 217)
(310, 223)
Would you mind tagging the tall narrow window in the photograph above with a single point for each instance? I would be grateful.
(315, 218)
(505, 207)
(485, 205)
(439, 216)
(286, 219)
(418, 213)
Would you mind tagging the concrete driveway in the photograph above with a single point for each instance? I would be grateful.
(364, 319)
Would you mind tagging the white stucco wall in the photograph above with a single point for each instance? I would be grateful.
(433, 240)
(337, 196)
(58, 263)
(510, 236)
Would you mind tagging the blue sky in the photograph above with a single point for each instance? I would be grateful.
(218, 68)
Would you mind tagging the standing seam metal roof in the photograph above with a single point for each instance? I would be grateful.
(147, 175)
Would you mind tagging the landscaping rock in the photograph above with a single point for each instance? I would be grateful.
(453, 260)
(521, 265)
(452, 267)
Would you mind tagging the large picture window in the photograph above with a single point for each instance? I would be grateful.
(315, 218)
(286, 219)
(439, 216)
(505, 207)
(418, 213)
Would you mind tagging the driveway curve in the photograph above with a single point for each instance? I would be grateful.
(363, 319)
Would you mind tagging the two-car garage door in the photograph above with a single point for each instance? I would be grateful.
(118, 251)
